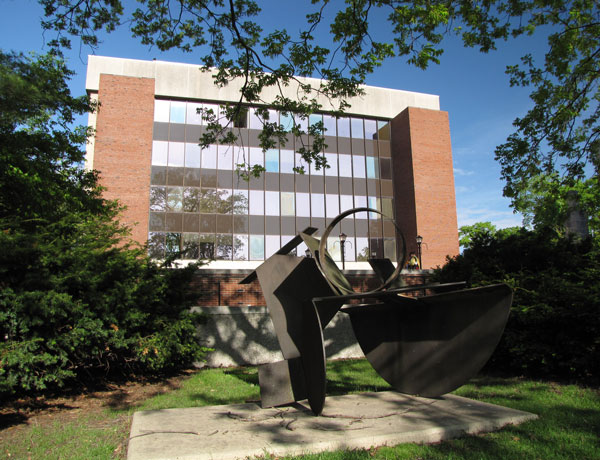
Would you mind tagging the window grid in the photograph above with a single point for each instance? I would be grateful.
(193, 201)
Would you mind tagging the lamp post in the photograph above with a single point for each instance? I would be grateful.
(343, 237)
(419, 243)
(307, 254)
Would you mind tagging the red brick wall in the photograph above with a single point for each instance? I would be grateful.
(222, 288)
(123, 146)
(424, 183)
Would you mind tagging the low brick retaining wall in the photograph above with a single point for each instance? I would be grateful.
(242, 333)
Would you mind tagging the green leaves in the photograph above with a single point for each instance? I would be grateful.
(76, 300)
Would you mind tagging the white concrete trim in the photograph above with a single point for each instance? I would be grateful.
(187, 81)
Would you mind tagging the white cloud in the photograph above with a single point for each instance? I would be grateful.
(500, 218)
(463, 189)
(463, 172)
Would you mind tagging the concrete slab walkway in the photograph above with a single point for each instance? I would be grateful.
(348, 422)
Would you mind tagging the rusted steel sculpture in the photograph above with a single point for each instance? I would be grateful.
(425, 346)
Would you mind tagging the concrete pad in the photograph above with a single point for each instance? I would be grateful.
(348, 422)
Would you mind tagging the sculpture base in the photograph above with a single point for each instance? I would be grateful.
(348, 422)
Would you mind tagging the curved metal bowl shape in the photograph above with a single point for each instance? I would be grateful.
(431, 345)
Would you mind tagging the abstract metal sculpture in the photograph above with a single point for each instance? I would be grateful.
(425, 346)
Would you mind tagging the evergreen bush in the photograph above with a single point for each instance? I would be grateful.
(77, 301)
(554, 326)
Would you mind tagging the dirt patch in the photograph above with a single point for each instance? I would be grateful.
(18, 416)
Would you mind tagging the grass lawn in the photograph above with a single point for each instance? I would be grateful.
(568, 427)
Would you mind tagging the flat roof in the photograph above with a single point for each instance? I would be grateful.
(187, 81)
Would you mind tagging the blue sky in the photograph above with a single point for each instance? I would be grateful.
(472, 86)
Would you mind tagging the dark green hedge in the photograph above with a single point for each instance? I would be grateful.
(72, 309)
(554, 326)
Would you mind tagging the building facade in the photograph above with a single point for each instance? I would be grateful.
(390, 152)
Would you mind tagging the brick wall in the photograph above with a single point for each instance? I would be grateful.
(424, 183)
(123, 146)
(222, 288)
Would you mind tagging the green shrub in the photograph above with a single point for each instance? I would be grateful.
(77, 302)
(554, 326)
(72, 309)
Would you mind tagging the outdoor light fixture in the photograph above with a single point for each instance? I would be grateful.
(307, 253)
(419, 243)
(343, 237)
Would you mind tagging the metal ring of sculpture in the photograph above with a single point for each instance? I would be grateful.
(324, 258)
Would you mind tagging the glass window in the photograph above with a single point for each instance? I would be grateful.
(286, 121)
(272, 203)
(255, 121)
(301, 122)
(372, 168)
(362, 249)
(272, 160)
(257, 203)
(332, 205)
(349, 249)
(358, 166)
(225, 160)
(176, 153)
(287, 161)
(374, 204)
(256, 156)
(357, 128)
(314, 171)
(314, 119)
(161, 111)
(370, 129)
(159, 153)
(191, 199)
(209, 157)
(389, 249)
(383, 130)
(300, 162)
(332, 161)
(156, 245)
(158, 198)
(223, 201)
(224, 246)
(177, 112)
(345, 165)
(317, 204)
(175, 198)
(194, 113)
(210, 113)
(240, 120)
(287, 204)
(360, 201)
(191, 246)
(206, 244)
(386, 207)
(346, 202)
(302, 204)
(240, 247)
(272, 245)
(257, 247)
(192, 155)
(208, 200)
(343, 127)
(173, 243)
(239, 202)
(329, 125)
(386, 168)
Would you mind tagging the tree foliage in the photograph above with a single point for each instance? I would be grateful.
(559, 135)
(76, 300)
(554, 325)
